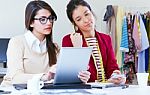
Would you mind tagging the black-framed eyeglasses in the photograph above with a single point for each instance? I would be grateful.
(43, 20)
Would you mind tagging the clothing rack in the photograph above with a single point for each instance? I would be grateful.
(136, 9)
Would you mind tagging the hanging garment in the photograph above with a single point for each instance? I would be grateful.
(124, 47)
(119, 21)
(109, 12)
(136, 34)
(148, 32)
(144, 18)
(129, 59)
(130, 56)
(111, 28)
(144, 46)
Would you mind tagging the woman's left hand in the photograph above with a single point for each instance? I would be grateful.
(117, 80)
(84, 76)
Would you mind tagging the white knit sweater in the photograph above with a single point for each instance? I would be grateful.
(22, 62)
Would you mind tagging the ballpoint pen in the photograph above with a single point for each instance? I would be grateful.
(4, 92)
(117, 85)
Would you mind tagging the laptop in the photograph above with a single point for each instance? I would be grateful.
(3, 48)
(71, 61)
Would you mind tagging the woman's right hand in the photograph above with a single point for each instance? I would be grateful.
(76, 39)
(84, 76)
(50, 74)
(47, 76)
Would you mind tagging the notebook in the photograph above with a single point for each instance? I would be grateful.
(71, 61)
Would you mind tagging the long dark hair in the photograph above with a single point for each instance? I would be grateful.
(72, 5)
(31, 10)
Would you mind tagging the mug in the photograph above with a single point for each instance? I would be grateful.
(34, 85)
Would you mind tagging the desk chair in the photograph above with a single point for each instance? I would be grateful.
(3, 57)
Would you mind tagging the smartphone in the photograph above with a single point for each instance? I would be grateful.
(117, 75)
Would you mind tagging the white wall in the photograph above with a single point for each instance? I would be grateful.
(12, 15)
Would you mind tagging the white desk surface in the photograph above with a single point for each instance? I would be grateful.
(131, 90)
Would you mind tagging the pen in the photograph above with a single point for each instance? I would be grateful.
(115, 85)
(1, 90)
(98, 87)
(4, 92)
(125, 86)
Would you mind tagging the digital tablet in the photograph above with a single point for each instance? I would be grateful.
(70, 62)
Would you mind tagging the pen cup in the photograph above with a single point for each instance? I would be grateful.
(142, 79)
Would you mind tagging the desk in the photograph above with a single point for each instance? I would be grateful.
(132, 90)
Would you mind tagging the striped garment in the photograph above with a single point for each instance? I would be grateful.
(124, 38)
(92, 42)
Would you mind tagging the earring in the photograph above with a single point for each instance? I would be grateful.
(75, 28)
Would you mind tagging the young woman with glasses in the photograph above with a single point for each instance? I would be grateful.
(33, 52)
